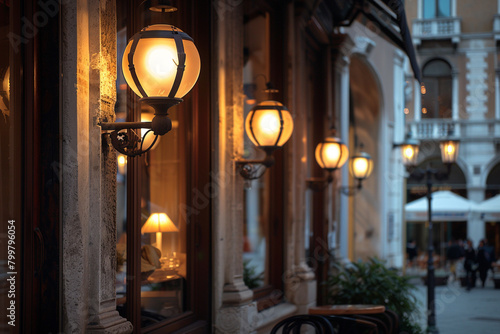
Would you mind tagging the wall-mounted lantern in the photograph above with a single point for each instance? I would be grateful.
(269, 125)
(360, 167)
(161, 64)
(332, 154)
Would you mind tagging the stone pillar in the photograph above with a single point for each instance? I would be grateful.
(89, 169)
(103, 317)
(233, 307)
(475, 225)
(75, 152)
(343, 48)
(300, 283)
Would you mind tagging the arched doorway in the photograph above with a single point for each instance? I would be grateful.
(364, 134)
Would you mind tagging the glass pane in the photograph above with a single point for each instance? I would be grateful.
(10, 179)
(163, 224)
(430, 100)
(444, 8)
(256, 224)
(444, 97)
(429, 9)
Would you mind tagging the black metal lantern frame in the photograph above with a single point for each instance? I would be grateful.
(130, 143)
(252, 169)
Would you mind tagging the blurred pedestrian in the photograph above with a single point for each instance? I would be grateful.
(483, 261)
(470, 264)
(411, 252)
(490, 250)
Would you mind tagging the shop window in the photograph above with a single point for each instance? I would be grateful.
(436, 8)
(159, 285)
(437, 90)
(262, 231)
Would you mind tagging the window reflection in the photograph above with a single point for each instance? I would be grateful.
(163, 249)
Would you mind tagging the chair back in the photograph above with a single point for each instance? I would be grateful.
(294, 323)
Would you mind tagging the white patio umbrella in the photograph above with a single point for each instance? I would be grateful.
(489, 209)
(446, 206)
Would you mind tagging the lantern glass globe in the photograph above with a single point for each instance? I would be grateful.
(269, 124)
(155, 61)
(332, 153)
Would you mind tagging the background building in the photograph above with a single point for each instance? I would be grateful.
(241, 254)
(456, 43)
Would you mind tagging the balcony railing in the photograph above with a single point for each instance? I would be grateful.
(437, 28)
(433, 129)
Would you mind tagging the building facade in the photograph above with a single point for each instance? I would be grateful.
(456, 45)
(239, 255)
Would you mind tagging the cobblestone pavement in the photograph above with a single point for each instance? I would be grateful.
(459, 311)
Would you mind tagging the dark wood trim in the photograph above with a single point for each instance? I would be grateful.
(26, 53)
(133, 292)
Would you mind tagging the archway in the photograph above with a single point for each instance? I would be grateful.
(364, 208)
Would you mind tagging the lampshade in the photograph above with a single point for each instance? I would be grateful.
(449, 151)
(159, 222)
(269, 124)
(331, 154)
(161, 61)
(361, 165)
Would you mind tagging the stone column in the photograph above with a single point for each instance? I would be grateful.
(103, 317)
(233, 307)
(300, 283)
(342, 52)
(89, 169)
(475, 225)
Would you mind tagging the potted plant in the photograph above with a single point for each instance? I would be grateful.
(371, 282)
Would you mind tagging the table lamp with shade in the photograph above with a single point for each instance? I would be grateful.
(159, 223)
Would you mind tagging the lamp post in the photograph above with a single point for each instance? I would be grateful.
(449, 153)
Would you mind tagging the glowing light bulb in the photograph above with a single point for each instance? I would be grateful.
(450, 149)
(360, 166)
(423, 90)
(409, 152)
(269, 123)
(122, 160)
(161, 61)
(332, 152)
(407, 111)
